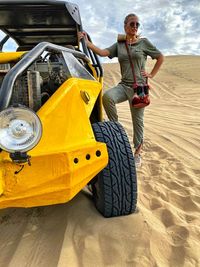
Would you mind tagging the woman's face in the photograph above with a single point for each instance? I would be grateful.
(132, 26)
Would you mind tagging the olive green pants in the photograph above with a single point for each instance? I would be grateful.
(118, 94)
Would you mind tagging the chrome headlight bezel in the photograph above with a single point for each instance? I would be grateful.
(20, 129)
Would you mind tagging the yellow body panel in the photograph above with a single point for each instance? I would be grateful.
(6, 57)
(67, 156)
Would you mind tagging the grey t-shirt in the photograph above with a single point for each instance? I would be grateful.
(139, 52)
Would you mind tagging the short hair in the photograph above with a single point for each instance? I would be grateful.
(128, 17)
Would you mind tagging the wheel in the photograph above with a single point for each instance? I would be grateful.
(115, 187)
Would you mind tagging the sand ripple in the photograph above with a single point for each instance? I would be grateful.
(166, 229)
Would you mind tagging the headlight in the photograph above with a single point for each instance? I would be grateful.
(20, 129)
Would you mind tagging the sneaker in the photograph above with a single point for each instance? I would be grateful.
(138, 160)
(89, 187)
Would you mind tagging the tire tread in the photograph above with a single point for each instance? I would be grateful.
(115, 189)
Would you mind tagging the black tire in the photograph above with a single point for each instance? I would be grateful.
(115, 187)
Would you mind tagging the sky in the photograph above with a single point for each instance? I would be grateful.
(173, 26)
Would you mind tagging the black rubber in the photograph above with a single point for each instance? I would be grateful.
(115, 187)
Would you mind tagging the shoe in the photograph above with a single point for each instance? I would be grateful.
(89, 187)
(138, 160)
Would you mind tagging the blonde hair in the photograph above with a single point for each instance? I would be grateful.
(128, 17)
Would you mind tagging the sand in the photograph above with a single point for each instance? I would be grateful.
(166, 230)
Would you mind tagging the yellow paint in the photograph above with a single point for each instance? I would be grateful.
(2, 184)
(6, 57)
(65, 159)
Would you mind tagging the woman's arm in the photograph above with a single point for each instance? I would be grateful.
(95, 49)
(155, 69)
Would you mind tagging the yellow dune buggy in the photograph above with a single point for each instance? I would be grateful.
(53, 139)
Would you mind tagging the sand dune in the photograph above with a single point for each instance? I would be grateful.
(166, 230)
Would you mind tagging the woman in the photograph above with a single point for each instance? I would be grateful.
(139, 49)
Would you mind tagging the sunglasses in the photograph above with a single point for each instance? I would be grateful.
(134, 24)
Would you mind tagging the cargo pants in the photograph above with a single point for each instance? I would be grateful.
(118, 94)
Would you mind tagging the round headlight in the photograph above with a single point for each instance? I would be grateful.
(20, 129)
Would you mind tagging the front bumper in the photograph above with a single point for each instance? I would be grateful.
(67, 156)
(51, 179)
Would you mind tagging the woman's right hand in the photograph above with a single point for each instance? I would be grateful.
(82, 35)
(90, 45)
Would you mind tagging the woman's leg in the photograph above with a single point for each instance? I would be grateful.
(110, 98)
(138, 127)
(137, 121)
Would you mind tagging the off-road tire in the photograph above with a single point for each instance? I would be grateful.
(115, 187)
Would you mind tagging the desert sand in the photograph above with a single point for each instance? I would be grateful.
(166, 230)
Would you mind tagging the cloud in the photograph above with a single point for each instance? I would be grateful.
(172, 26)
